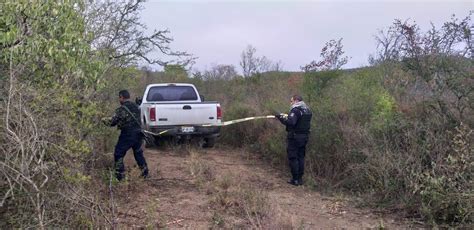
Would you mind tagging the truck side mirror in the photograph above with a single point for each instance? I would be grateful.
(138, 100)
(202, 97)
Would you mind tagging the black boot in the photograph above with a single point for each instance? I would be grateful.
(293, 182)
(145, 172)
(300, 181)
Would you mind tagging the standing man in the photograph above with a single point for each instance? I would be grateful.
(126, 118)
(298, 124)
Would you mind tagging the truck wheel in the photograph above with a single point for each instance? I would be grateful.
(209, 142)
(159, 142)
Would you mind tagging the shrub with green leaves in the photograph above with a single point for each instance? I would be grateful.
(53, 75)
(62, 73)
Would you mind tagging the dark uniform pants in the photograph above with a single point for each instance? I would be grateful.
(296, 152)
(127, 140)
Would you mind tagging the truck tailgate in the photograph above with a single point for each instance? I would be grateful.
(185, 114)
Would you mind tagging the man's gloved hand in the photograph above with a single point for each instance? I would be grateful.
(106, 120)
(278, 115)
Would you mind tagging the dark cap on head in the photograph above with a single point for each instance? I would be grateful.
(124, 93)
(297, 97)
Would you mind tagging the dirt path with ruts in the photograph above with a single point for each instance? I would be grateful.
(192, 188)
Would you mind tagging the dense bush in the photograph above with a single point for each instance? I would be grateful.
(60, 73)
(377, 132)
(368, 137)
(399, 133)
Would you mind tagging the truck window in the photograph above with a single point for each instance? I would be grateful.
(171, 93)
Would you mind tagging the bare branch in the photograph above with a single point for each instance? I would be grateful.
(122, 38)
(332, 55)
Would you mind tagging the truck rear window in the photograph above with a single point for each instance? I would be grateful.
(171, 93)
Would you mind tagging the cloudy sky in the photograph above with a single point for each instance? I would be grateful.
(290, 31)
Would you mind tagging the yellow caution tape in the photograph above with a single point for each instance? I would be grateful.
(239, 120)
(156, 134)
(221, 124)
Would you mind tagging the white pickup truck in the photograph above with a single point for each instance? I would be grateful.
(179, 109)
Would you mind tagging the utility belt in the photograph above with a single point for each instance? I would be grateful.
(297, 135)
(130, 130)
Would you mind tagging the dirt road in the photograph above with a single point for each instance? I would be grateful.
(193, 188)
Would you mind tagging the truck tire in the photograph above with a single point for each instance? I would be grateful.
(154, 142)
(209, 142)
(159, 142)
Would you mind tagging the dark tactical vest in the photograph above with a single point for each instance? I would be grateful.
(303, 124)
(127, 121)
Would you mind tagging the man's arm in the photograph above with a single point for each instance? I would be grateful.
(281, 118)
(115, 119)
(291, 119)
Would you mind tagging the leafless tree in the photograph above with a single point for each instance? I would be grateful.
(224, 72)
(332, 55)
(277, 66)
(252, 64)
(249, 61)
(388, 43)
(404, 39)
(23, 165)
(118, 32)
(440, 58)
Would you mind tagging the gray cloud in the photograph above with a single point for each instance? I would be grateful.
(290, 31)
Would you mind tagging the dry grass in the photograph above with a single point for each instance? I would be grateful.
(199, 169)
(235, 203)
(243, 205)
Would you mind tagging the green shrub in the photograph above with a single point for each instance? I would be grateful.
(384, 112)
(367, 138)
(446, 189)
(240, 134)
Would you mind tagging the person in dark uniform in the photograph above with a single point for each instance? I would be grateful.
(126, 118)
(298, 124)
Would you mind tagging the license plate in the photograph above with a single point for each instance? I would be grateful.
(187, 129)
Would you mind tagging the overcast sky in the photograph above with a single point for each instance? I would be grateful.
(290, 31)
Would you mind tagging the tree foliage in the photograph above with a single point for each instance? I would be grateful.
(59, 63)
